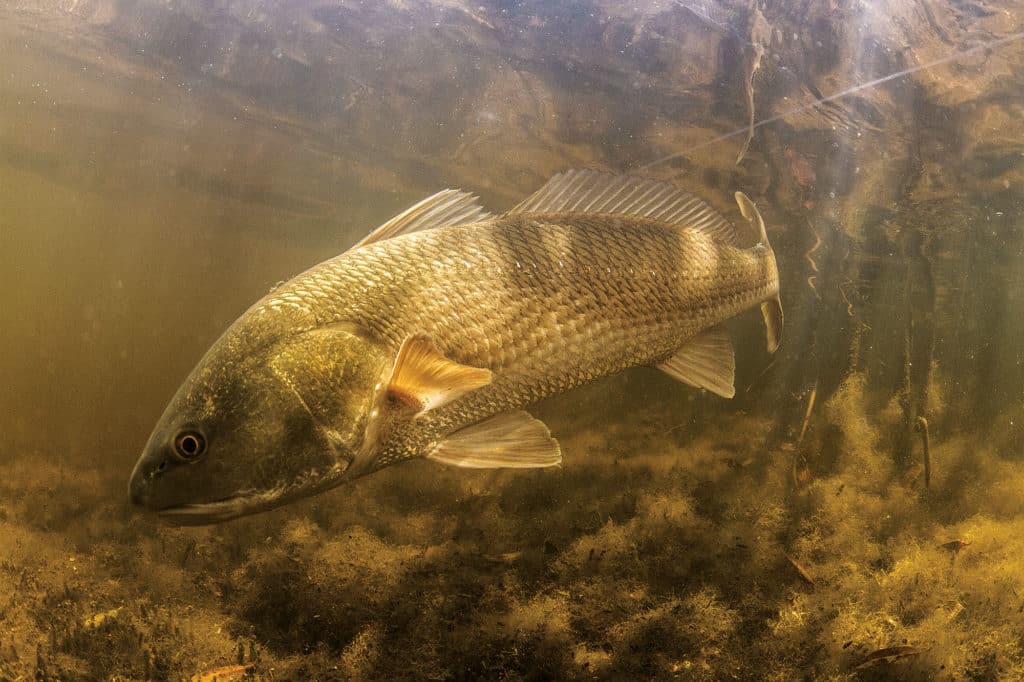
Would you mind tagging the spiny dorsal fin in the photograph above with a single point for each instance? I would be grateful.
(447, 207)
(589, 191)
(510, 439)
(424, 379)
(706, 361)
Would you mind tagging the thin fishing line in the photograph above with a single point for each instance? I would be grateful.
(998, 42)
(707, 17)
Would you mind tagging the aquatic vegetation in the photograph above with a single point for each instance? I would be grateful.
(696, 557)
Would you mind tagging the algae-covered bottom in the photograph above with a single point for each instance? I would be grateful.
(652, 553)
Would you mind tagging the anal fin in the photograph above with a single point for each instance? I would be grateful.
(706, 361)
(510, 440)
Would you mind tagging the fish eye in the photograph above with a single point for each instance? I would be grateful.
(190, 445)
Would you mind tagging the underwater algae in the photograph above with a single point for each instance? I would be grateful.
(652, 556)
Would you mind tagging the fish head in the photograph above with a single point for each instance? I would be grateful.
(254, 428)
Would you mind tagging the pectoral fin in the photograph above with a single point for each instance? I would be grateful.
(706, 361)
(510, 440)
(424, 379)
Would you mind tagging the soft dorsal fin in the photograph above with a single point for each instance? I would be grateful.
(424, 379)
(589, 191)
(447, 207)
(706, 361)
(510, 439)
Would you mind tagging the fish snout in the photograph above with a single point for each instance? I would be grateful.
(140, 486)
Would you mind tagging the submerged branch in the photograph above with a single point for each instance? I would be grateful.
(922, 426)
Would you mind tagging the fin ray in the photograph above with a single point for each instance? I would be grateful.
(508, 440)
(771, 310)
(584, 190)
(753, 216)
(706, 361)
(424, 379)
(447, 207)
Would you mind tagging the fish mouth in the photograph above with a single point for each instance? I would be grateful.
(206, 513)
(249, 502)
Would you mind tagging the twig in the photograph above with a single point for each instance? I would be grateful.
(922, 426)
(760, 37)
(807, 415)
(801, 571)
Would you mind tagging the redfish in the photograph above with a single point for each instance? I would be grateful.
(430, 336)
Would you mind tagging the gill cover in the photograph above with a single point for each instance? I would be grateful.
(331, 371)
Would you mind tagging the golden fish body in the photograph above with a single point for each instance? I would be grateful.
(427, 338)
(545, 302)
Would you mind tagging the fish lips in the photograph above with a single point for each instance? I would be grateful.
(217, 511)
(234, 506)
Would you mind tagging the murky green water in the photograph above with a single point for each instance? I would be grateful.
(164, 164)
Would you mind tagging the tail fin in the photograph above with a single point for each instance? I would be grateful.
(772, 312)
(771, 309)
(751, 213)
